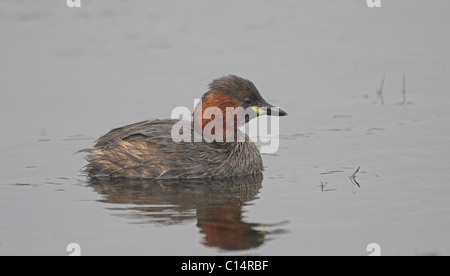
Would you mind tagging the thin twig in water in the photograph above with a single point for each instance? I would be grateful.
(353, 177)
(322, 185)
(380, 91)
(404, 89)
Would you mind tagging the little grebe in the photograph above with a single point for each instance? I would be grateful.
(147, 149)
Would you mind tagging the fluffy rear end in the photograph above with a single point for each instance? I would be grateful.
(134, 159)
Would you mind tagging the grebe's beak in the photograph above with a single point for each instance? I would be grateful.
(269, 110)
(275, 111)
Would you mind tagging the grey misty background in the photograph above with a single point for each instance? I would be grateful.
(68, 76)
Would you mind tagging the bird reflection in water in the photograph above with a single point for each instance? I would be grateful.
(216, 204)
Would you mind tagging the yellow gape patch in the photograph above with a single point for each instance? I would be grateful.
(257, 109)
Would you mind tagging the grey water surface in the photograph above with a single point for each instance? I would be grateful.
(69, 75)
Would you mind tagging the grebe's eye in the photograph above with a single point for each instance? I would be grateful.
(247, 101)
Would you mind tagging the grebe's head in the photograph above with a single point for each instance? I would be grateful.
(232, 93)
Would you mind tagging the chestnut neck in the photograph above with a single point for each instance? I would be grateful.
(225, 130)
